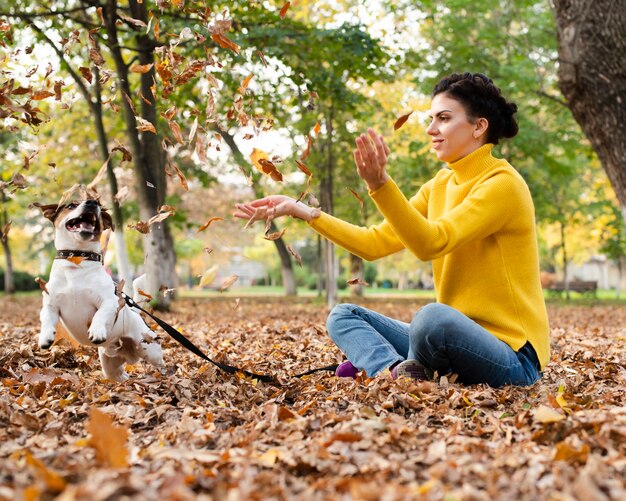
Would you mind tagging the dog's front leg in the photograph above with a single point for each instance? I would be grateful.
(49, 317)
(103, 320)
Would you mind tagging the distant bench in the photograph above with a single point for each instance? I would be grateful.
(581, 286)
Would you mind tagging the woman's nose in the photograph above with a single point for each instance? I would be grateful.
(431, 129)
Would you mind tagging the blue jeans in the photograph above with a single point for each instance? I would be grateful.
(439, 337)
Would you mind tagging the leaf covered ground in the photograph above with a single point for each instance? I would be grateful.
(193, 432)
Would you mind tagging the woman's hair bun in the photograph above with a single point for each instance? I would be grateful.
(481, 98)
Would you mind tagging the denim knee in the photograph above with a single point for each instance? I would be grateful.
(339, 312)
(428, 327)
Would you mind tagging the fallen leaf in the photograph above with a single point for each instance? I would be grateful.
(357, 281)
(208, 223)
(545, 414)
(108, 440)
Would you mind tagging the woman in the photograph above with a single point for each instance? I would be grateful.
(475, 221)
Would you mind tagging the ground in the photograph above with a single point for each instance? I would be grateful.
(194, 432)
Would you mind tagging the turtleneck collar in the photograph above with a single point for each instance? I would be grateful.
(470, 166)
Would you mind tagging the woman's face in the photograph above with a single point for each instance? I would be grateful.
(454, 136)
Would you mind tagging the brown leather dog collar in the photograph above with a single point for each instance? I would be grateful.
(89, 256)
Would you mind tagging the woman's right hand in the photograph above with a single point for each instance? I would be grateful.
(273, 207)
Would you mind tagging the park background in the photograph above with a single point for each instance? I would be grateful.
(170, 116)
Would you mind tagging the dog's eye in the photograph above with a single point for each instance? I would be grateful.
(72, 205)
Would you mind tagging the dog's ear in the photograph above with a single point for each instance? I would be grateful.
(49, 211)
(107, 220)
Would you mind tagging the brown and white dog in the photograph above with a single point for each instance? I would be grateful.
(83, 296)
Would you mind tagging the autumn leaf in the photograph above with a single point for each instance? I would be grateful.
(41, 94)
(54, 482)
(175, 128)
(307, 151)
(208, 223)
(4, 232)
(141, 68)
(357, 197)
(86, 73)
(284, 9)
(140, 226)
(357, 281)
(228, 281)
(100, 174)
(225, 42)
(317, 128)
(161, 216)
(401, 121)
(346, 436)
(275, 235)
(96, 57)
(208, 276)
(122, 194)
(144, 125)
(545, 414)
(108, 440)
(295, 254)
(303, 167)
(244, 84)
(145, 294)
(261, 161)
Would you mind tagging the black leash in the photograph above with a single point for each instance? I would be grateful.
(225, 367)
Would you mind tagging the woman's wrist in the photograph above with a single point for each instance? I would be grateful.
(306, 213)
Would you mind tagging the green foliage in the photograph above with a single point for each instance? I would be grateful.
(23, 281)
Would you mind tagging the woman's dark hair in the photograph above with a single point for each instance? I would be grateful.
(481, 99)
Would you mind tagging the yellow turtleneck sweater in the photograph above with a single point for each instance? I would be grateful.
(476, 222)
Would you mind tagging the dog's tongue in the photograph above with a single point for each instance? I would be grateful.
(84, 226)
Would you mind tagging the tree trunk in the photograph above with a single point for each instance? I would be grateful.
(327, 202)
(565, 268)
(592, 76)
(357, 270)
(9, 283)
(148, 157)
(286, 263)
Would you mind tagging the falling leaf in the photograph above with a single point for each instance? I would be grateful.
(96, 57)
(225, 42)
(4, 232)
(58, 86)
(275, 235)
(140, 226)
(317, 128)
(357, 281)
(208, 223)
(144, 125)
(86, 73)
(161, 216)
(261, 161)
(108, 440)
(126, 155)
(295, 254)
(122, 194)
(141, 68)
(228, 281)
(194, 128)
(244, 84)
(307, 151)
(100, 174)
(262, 57)
(401, 121)
(41, 94)
(303, 167)
(237, 301)
(145, 294)
(208, 276)
(284, 9)
(357, 197)
(175, 128)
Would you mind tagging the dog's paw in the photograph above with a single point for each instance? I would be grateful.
(46, 339)
(97, 334)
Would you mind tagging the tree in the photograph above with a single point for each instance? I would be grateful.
(592, 76)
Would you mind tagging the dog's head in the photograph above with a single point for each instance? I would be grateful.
(79, 221)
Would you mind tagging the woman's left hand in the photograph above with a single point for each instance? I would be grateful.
(370, 158)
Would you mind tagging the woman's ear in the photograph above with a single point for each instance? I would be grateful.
(480, 127)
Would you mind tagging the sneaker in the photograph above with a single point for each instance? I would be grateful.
(411, 369)
(346, 369)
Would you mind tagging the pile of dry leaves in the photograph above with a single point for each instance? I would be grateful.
(194, 432)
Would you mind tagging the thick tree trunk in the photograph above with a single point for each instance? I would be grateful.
(592, 76)
(286, 263)
(148, 158)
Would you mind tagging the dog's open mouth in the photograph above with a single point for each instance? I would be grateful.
(87, 223)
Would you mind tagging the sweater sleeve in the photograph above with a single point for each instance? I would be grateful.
(488, 207)
(372, 242)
